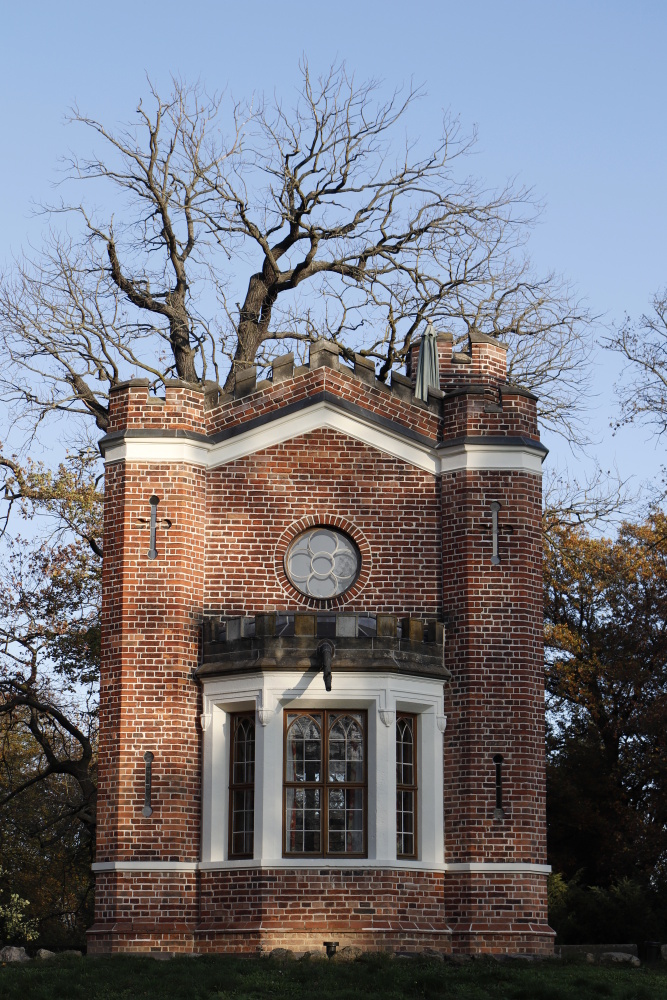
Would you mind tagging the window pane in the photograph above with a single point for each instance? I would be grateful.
(346, 820)
(346, 748)
(404, 752)
(242, 799)
(302, 819)
(405, 845)
(406, 797)
(304, 748)
(334, 824)
(244, 753)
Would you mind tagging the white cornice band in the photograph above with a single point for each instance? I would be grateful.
(157, 450)
(498, 867)
(481, 867)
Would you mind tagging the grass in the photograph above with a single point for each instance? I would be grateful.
(377, 978)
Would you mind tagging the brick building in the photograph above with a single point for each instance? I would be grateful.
(322, 711)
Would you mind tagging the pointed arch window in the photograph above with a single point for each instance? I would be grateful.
(242, 787)
(325, 784)
(406, 786)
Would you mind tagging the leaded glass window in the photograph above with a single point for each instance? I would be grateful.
(325, 783)
(322, 562)
(406, 787)
(242, 787)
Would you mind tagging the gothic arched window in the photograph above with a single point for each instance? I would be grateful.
(325, 783)
(242, 787)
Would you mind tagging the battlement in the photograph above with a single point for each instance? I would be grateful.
(474, 396)
(485, 359)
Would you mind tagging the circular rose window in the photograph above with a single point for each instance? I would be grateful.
(322, 562)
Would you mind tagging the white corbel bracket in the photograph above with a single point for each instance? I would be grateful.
(266, 706)
(265, 715)
(441, 721)
(205, 720)
(387, 715)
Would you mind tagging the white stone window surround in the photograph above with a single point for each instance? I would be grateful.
(270, 693)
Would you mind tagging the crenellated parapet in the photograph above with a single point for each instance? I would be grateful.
(132, 406)
(474, 397)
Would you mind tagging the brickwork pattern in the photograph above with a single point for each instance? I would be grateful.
(151, 614)
(252, 910)
(499, 913)
(256, 505)
(495, 701)
(377, 399)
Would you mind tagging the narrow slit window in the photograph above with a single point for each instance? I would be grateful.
(406, 786)
(499, 812)
(495, 508)
(148, 779)
(152, 552)
(242, 787)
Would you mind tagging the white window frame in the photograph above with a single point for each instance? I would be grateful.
(269, 694)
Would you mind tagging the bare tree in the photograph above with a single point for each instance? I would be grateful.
(305, 222)
(643, 388)
(602, 498)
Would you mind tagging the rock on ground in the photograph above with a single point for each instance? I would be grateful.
(282, 954)
(12, 954)
(619, 958)
(432, 954)
(348, 954)
(44, 953)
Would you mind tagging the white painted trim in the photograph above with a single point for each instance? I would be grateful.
(145, 866)
(156, 450)
(492, 867)
(498, 867)
(498, 457)
(358, 864)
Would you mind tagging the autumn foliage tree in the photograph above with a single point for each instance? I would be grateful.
(606, 673)
(49, 668)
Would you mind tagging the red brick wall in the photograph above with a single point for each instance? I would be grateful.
(498, 914)
(255, 506)
(495, 701)
(376, 398)
(299, 909)
(155, 911)
(151, 616)
(253, 910)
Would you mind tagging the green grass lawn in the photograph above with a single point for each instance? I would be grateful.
(377, 978)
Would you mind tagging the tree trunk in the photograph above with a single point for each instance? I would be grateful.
(179, 334)
(254, 319)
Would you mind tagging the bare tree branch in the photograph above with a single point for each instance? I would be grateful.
(642, 391)
(308, 221)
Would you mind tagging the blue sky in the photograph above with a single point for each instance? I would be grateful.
(569, 98)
